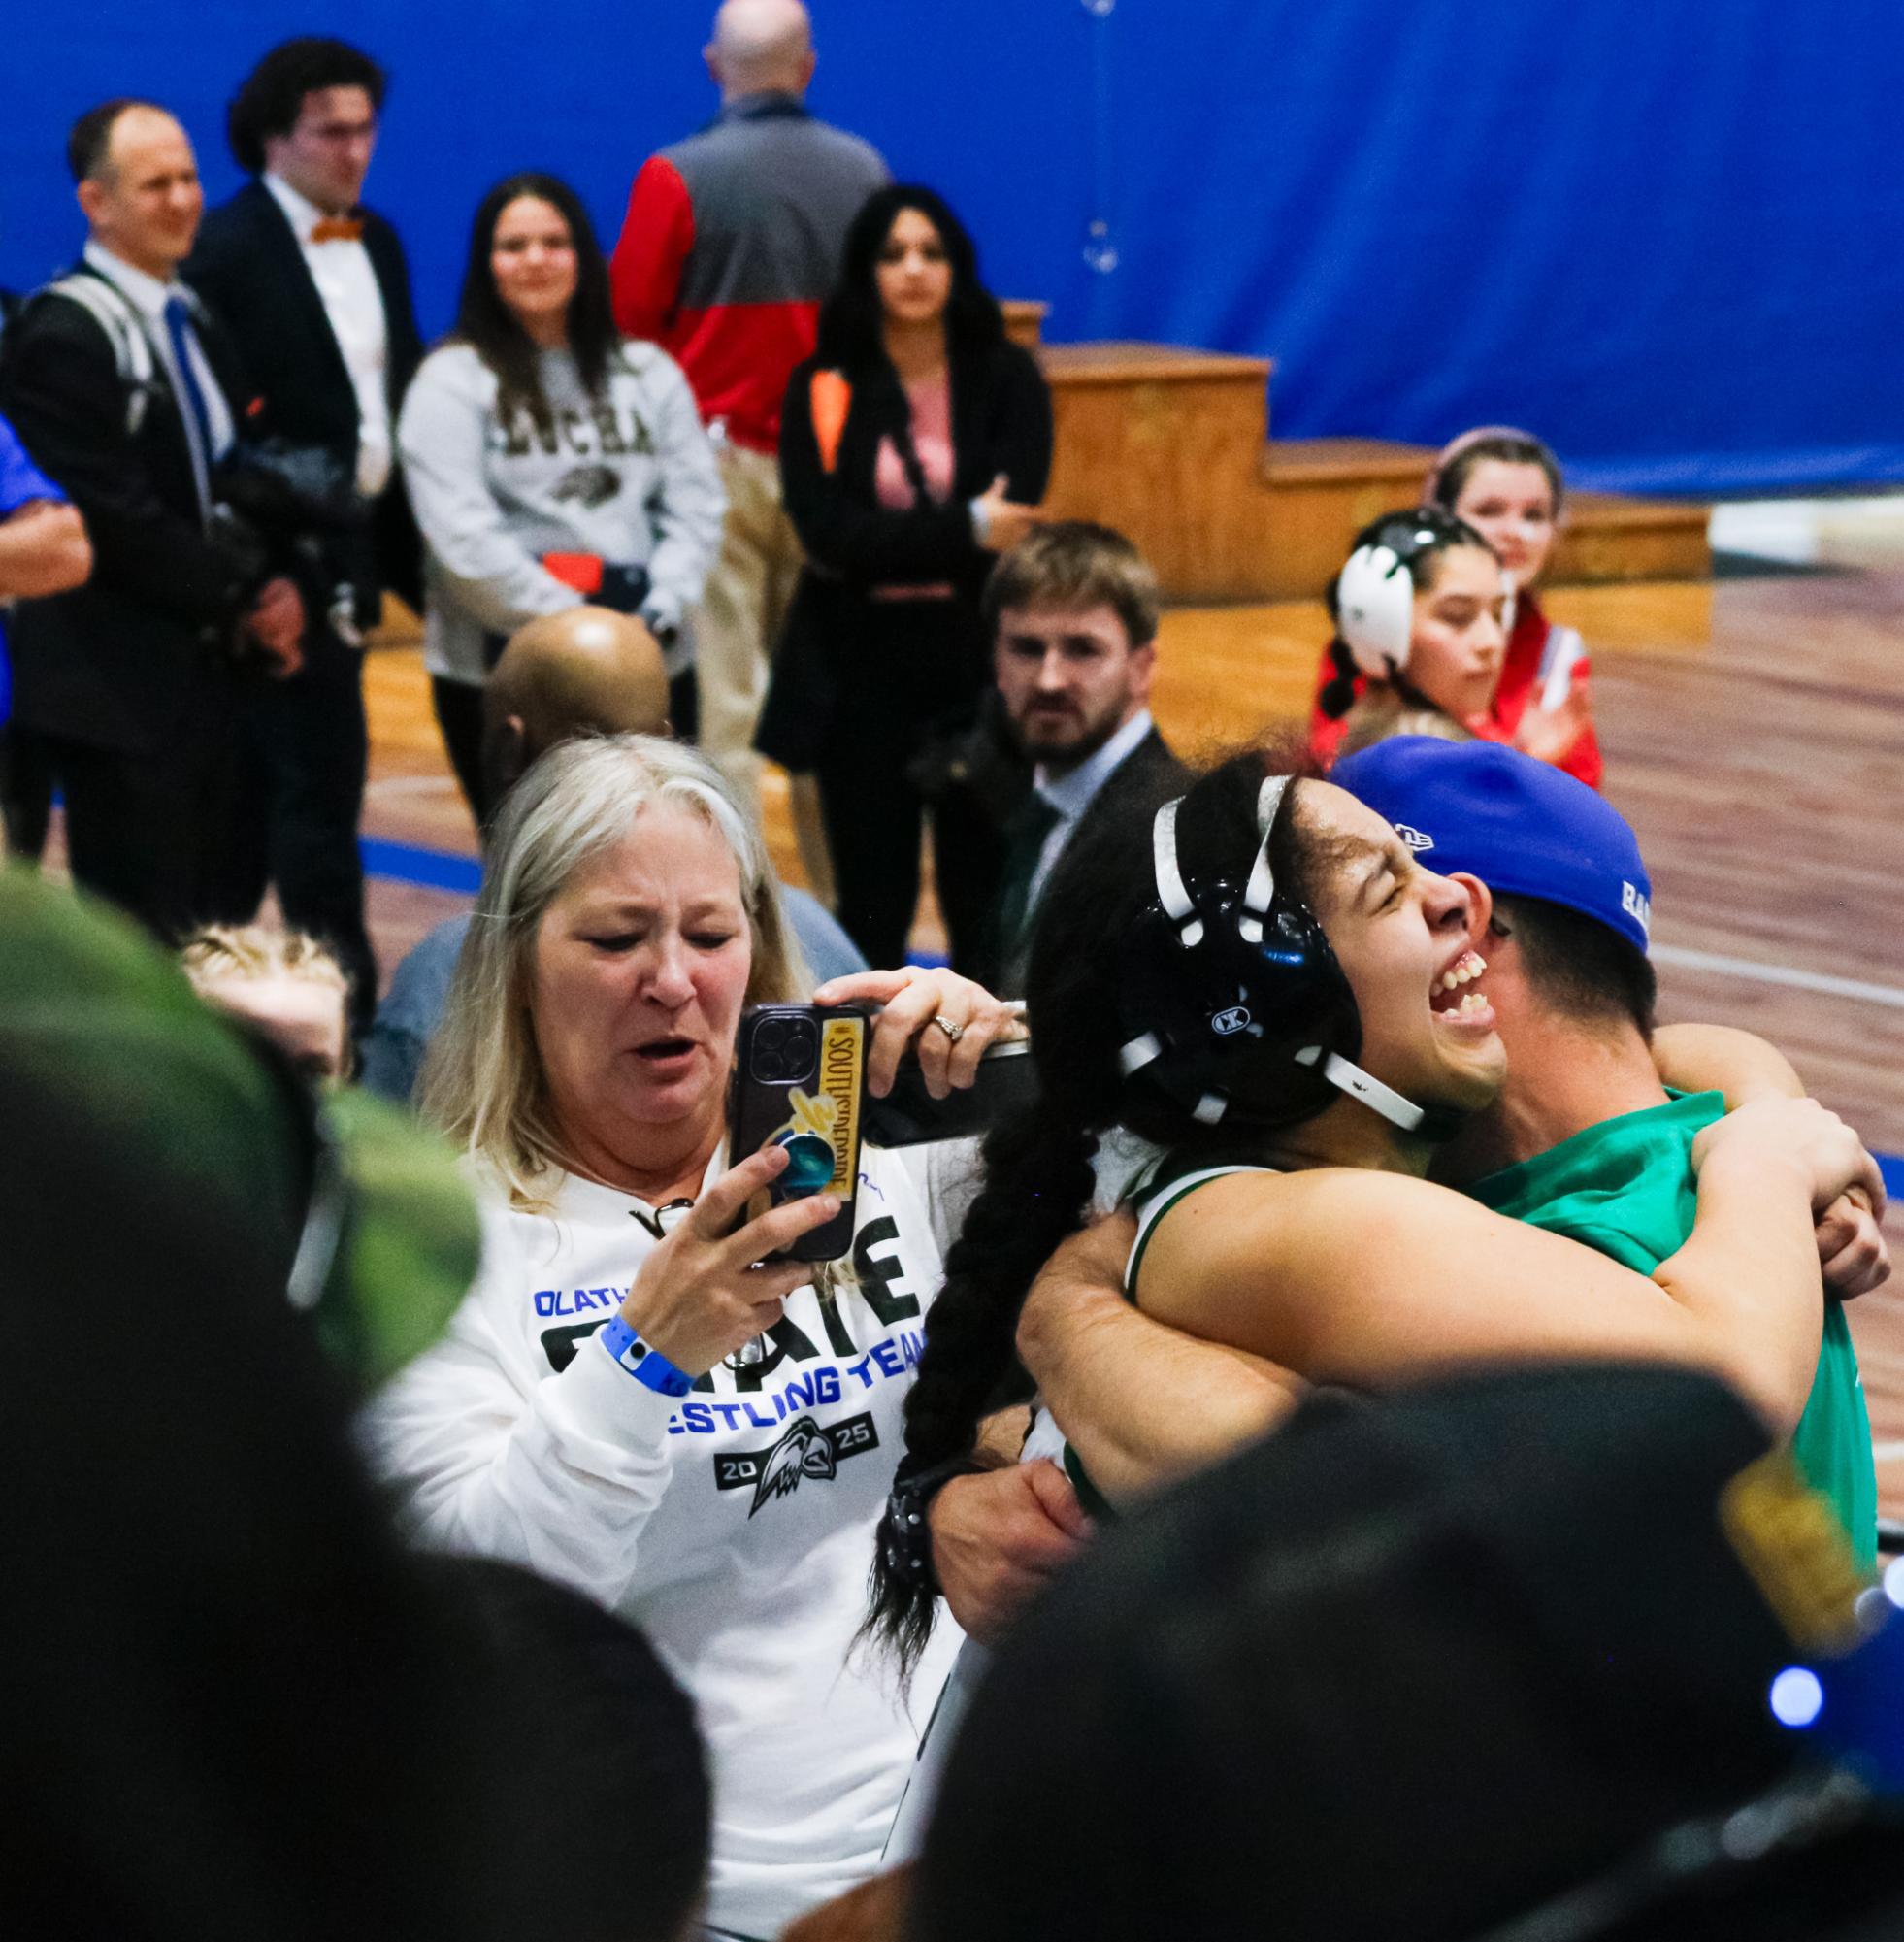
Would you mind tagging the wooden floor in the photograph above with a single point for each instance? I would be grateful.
(1755, 736)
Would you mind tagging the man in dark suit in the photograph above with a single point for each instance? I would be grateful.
(315, 292)
(1073, 611)
(126, 395)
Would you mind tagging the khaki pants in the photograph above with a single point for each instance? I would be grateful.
(742, 613)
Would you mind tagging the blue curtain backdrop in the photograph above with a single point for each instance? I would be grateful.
(1666, 233)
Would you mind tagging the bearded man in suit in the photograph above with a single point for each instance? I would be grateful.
(1073, 612)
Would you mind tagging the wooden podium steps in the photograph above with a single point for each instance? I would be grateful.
(1171, 447)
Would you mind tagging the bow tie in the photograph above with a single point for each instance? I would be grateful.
(337, 229)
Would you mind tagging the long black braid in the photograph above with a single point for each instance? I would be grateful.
(1038, 1179)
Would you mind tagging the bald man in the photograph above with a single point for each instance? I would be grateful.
(585, 671)
(731, 242)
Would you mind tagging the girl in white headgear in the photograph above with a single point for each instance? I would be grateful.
(1506, 483)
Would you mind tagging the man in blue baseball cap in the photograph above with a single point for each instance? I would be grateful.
(1586, 1139)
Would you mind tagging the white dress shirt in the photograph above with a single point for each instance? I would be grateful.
(347, 284)
(1073, 792)
(148, 296)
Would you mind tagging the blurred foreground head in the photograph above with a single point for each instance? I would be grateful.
(585, 670)
(1409, 1669)
(229, 1709)
(591, 1714)
(231, 1704)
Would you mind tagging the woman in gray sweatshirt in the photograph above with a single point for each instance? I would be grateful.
(550, 461)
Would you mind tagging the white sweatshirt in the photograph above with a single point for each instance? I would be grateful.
(735, 1526)
(630, 477)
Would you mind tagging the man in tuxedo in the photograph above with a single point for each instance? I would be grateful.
(128, 397)
(1073, 611)
(315, 292)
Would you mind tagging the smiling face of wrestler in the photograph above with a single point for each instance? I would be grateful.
(1412, 946)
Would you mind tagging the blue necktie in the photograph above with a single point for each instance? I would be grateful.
(179, 327)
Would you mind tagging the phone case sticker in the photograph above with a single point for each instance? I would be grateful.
(842, 1050)
(821, 1129)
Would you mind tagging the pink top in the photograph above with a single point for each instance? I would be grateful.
(931, 400)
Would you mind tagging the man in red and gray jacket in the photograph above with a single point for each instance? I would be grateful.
(731, 242)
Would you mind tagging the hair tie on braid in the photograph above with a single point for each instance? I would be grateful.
(1338, 694)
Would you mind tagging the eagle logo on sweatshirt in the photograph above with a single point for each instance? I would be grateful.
(806, 1450)
(593, 485)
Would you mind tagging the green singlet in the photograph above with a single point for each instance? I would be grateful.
(1625, 1188)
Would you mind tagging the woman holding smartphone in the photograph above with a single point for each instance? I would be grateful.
(915, 445)
(551, 462)
(637, 1396)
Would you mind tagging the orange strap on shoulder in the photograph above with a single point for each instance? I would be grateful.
(831, 398)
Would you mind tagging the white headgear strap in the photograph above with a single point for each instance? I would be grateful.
(1366, 1087)
(1261, 886)
(1171, 890)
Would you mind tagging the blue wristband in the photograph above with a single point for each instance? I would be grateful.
(643, 1364)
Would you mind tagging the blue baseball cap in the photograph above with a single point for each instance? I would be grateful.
(1524, 827)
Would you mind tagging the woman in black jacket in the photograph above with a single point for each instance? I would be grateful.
(914, 445)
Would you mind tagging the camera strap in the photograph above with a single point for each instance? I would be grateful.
(133, 356)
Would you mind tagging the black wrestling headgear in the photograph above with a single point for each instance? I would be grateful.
(1234, 1003)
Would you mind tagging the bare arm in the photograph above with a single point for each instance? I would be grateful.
(44, 550)
(1001, 1437)
(1721, 1059)
(1372, 1279)
(1140, 1402)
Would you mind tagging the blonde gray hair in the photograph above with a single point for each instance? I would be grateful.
(484, 1080)
(252, 951)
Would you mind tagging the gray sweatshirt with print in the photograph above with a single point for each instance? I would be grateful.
(629, 476)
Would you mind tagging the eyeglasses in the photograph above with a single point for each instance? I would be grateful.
(340, 134)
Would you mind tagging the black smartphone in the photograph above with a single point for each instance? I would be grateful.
(799, 1082)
